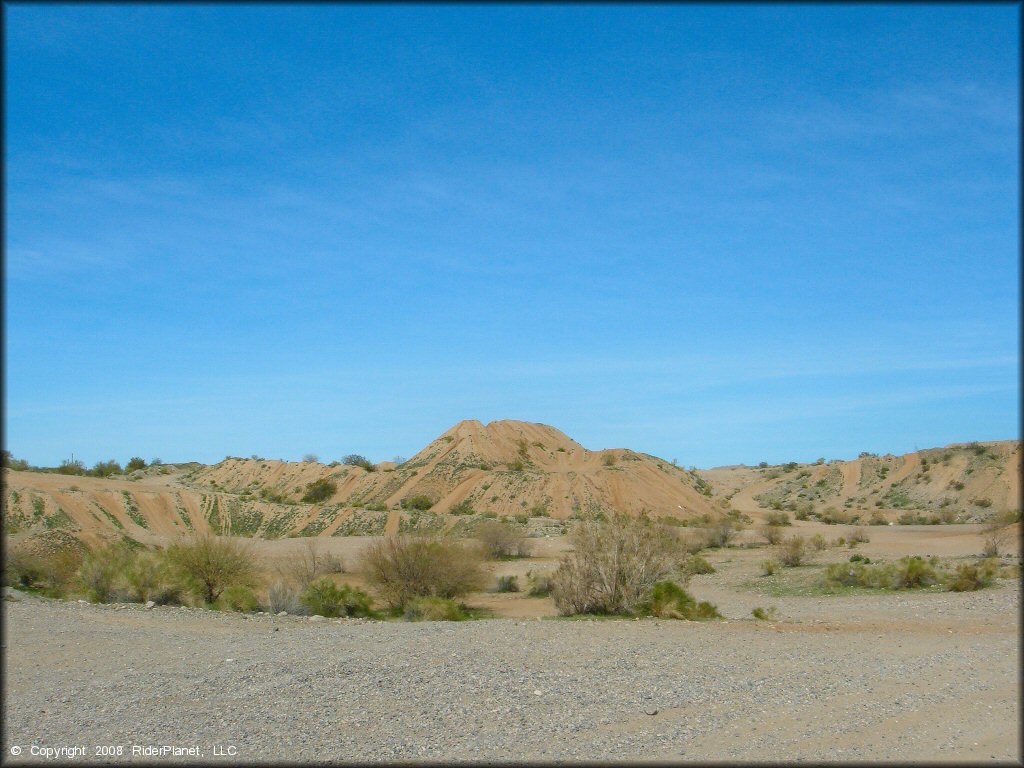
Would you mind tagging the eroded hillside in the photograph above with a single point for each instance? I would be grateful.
(964, 482)
(506, 468)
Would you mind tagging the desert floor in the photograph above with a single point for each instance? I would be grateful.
(917, 676)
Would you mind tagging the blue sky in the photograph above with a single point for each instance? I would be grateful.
(720, 234)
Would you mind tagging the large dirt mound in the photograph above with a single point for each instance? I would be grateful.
(503, 468)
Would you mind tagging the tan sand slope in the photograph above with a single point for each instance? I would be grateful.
(505, 467)
(966, 482)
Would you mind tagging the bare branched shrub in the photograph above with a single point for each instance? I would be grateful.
(997, 534)
(284, 597)
(614, 566)
(309, 564)
(211, 564)
(859, 534)
(772, 533)
(722, 532)
(405, 567)
(794, 551)
(499, 539)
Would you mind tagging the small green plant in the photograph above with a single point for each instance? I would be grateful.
(769, 567)
(238, 598)
(973, 576)
(668, 600)
(912, 572)
(777, 518)
(695, 564)
(323, 598)
(462, 508)
(538, 583)
(507, 584)
(319, 491)
(764, 614)
(419, 502)
(794, 551)
(608, 460)
(515, 465)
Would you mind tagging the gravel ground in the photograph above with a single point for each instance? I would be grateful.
(935, 678)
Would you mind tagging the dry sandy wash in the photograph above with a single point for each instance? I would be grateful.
(909, 676)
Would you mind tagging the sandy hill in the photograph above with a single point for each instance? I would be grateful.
(503, 468)
(963, 482)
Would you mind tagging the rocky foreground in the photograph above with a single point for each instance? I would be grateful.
(844, 681)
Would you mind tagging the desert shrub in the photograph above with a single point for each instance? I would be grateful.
(135, 462)
(51, 573)
(405, 567)
(310, 564)
(273, 495)
(434, 609)
(500, 539)
(969, 577)
(695, 564)
(419, 502)
(283, 597)
(771, 533)
(613, 566)
(858, 535)
(102, 572)
(722, 532)
(106, 468)
(462, 508)
(764, 614)
(997, 534)
(794, 551)
(983, 503)
(507, 584)
(777, 518)
(70, 468)
(877, 518)
(769, 567)
(323, 598)
(211, 564)
(319, 491)
(538, 583)
(608, 460)
(355, 460)
(239, 598)
(146, 574)
(668, 600)
(817, 542)
(913, 572)
(515, 465)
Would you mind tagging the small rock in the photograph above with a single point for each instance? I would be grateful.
(536, 693)
(149, 605)
(283, 613)
(316, 617)
(650, 711)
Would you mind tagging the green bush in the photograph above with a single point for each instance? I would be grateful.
(973, 576)
(695, 564)
(419, 502)
(210, 564)
(764, 614)
(434, 609)
(538, 583)
(51, 573)
(777, 518)
(135, 462)
(507, 584)
(913, 572)
(238, 598)
(614, 565)
(355, 460)
(794, 551)
(319, 491)
(106, 468)
(668, 600)
(462, 508)
(769, 567)
(323, 598)
(402, 568)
